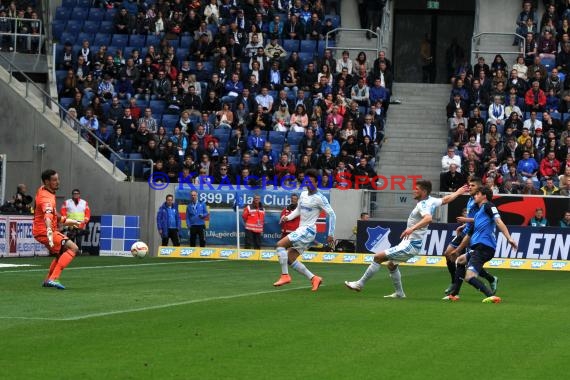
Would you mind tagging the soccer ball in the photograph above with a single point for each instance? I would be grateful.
(139, 249)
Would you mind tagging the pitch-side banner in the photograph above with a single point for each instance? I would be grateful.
(343, 258)
(222, 223)
(517, 210)
(538, 248)
(16, 238)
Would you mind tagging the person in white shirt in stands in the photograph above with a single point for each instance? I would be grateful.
(497, 114)
(344, 62)
(450, 158)
(532, 123)
(310, 204)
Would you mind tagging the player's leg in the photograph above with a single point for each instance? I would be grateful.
(283, 257)
(69, 252)
(248, 239)
(450, 258)
(294, 253)
(493, 280)
(370, 271)
(396, 277)
(479, 257)
(54, 251)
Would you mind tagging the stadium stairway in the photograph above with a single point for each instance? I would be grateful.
(415, 141)
(499, 17)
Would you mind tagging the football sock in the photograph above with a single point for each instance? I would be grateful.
(51, 268)
(483, 273)
(397, 280)
(372, 269)
(459, 276)
(301, 268)
(451, 268)
(480, 286)
(63, 261)
(282, 255)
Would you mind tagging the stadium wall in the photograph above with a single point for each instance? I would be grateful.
(25, 129)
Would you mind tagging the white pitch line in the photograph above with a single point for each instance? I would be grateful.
(116, 266)
(156, 307)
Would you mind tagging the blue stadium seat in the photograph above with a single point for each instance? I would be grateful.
(62, 13)
(291, 45)
(234, 162)
(277, 148)
(142, 103)
(68, 37)
(110, 14)
(137, 40)
(119, 40)
(79, 13)
(254, 160)
(60, 75)
(74, 26)
(65, 102)
(222, 134)
(293, 138)
(170, 121)
(186, 41)
(102, 39)
(157, 106)
(107, 27)
(90, 26)
(556, 115)
(57, 29)
(96, 14)
(549, 63)
(84, 3)
(335, 20)
(84, 36)
(69, 3)
(153, 40)
(306, 58)
(276, 137)
(308, 46)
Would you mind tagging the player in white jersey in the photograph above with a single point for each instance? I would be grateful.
(412, 238)
(310, 204)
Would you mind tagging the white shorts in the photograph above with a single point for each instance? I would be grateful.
(302, 238)
(404, 251)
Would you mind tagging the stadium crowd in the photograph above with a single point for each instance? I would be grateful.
(20, 26)
(511, 125)
(224, 89)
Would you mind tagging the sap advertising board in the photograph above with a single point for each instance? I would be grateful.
(222, 229)
(545, 243)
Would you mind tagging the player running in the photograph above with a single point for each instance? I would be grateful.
(483, 243)
(45, 230)
(311, 202)
(457, 247)
(412, 237)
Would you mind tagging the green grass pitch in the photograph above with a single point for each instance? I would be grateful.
(182, 319)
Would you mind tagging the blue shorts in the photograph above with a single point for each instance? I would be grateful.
(478, 257)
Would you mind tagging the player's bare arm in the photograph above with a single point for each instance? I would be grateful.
(426, 220)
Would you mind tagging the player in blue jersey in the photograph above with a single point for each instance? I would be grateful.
(310, 204)
(412, 237)
(460, 242)
(483, 243)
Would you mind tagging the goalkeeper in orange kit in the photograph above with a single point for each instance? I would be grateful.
(45, 229)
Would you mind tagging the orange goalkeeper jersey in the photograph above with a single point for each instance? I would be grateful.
(45, 207)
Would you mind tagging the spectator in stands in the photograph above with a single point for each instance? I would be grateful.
(528, 168)
(535, 98)
(330, 143)
(141, 138)
(549, 187)
(293, 29)
(565, 221)
(460, 137)
(478, 96)
(472, 147)
(123, 22)
(538, 220)
(449, 159)
(550, 168)
(563, 58)
(497, 114)
(512, 180)
(456, 103)
(452, 179)
(493, 134)
(453, 122)
(564, 150)
(88, 122)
